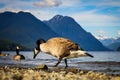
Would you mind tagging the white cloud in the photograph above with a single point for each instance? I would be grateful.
(100, 34)
(70, 3)
(101, 37)
(12, 10)
(18, 5)
(43, 15)
(90, 18)
(110, 3)
(102, 3)
(118, 32)
(5, 1)
(84, 18)
(48, 3)
(15, 5)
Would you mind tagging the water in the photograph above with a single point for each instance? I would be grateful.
(101, 61)
(43, 58)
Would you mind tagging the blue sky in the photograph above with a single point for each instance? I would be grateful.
(100, 17)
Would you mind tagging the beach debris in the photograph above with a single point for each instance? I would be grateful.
(14, 73)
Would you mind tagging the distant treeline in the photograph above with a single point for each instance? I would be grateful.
(7, 45)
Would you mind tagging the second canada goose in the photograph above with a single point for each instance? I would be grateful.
(3, 54)
(61, 48)
(18, 56)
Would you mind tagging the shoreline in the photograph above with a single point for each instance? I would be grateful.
(106, 67)
(54, 73)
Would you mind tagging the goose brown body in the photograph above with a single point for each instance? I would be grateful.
(18, 57)
(61, 48)
(4, 54)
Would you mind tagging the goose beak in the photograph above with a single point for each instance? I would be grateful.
(34, 56)
(35, 53)
(89, 55)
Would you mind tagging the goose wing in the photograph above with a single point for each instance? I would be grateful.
(66, 43)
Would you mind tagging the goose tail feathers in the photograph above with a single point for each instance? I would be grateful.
(79, 53)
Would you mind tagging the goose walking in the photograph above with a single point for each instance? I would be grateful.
(18, 56)
(61, 48)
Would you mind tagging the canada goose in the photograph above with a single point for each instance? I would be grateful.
(3, 54)
(61, 48)
(18, 56)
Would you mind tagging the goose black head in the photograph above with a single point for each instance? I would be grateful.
(37, 48)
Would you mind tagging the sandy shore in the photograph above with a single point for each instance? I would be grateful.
(21, 73)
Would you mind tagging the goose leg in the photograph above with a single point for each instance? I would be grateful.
(58, 62)
(66, 63)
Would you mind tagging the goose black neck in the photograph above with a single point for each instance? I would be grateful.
(17, 51)
(37, 48)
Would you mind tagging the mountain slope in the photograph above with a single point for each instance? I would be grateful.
(114, 46)
(111, 43)
(69, 28)
(23, 28)
(107, 42)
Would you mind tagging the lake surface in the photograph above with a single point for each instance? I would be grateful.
(101, 61)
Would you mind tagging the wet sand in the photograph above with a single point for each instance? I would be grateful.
(53, 73)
